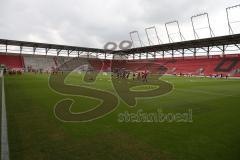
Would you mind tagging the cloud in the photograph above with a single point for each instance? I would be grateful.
(92, 23)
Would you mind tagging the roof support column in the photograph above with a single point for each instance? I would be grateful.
(195, 53)
(208, 51)
(224, 49)
(21, 48)
(183, 53)
(47, 49)
(154, 55)
(34, 50)
(6, 48)
(58, 52)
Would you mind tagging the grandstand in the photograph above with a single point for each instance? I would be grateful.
(201, 66)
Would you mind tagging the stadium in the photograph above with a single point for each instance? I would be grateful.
(132, 100)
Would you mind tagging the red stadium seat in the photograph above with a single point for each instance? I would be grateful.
(194, 66)
(12, 61)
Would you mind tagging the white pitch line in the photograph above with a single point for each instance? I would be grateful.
(4, 134)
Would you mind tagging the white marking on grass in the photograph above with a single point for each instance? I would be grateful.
(4, 133)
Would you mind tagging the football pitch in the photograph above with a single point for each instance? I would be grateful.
(213, 132)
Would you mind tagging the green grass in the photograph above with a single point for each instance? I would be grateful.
(143, 88)
(35, 133)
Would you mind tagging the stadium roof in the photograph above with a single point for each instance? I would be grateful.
(49, 46)
(200, 43)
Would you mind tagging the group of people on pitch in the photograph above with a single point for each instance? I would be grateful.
(126, 74)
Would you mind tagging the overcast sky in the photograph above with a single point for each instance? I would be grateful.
(92, 23)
